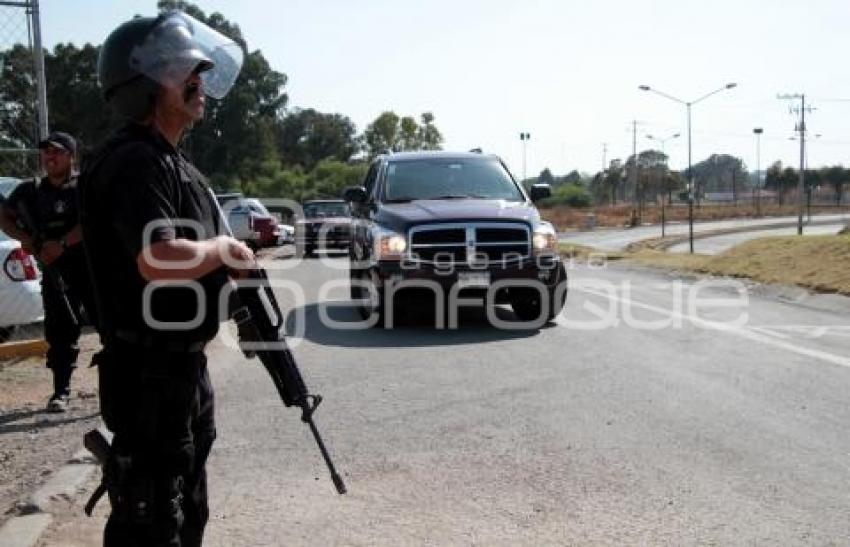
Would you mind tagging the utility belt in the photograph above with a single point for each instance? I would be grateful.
(149, 341)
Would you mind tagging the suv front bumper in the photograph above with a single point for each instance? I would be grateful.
(547, 270)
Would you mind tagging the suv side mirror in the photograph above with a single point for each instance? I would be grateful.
(355, 194)
(540, 191)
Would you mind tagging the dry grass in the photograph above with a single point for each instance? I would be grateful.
(583, 252)
(819, 263)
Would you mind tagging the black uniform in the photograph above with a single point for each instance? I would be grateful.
(55, 212)
(154, 387)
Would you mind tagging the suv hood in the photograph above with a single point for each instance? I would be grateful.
(400, 216)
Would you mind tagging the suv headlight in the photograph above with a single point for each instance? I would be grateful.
(389, 245)
(544, 239)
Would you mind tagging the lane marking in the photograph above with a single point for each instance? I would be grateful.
(744, 332)
(809, 331)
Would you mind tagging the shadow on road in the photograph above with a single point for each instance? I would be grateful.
(412, 328)
(17, 421)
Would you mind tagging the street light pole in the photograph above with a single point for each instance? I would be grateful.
(758, 131)
(688, 105)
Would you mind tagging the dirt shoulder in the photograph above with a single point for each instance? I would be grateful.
(818, 263)
(34, 443)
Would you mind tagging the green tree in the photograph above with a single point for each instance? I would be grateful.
(73, 94)
(18, 118)
(409, 138)
(836, 177)
(546, 177)
(383, 134)
(306, 137)
(573, 177)
(390, 133)
(430, 137)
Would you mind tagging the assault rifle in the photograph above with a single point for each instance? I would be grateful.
(51, 274)
(260, 323)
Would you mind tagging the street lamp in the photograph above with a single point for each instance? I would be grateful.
(524, 137)
(758, 132)
(688, 105)
(663, 141)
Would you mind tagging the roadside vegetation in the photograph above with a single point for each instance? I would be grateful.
(818, 263)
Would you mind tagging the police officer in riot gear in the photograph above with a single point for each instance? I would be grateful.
(55, 237)
(158, 265)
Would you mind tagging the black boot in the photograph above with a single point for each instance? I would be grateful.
(61, 391)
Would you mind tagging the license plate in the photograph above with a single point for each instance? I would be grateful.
(473, 279)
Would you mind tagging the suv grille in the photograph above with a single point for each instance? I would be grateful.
(500, 243)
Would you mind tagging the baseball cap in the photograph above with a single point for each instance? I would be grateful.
(60, 139)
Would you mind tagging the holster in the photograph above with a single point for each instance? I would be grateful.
(137, 498)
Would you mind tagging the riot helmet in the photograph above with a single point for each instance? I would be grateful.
(146, 52)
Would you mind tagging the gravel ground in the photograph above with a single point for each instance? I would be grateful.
(34, 443)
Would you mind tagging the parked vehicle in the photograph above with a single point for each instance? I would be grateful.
(460, 220)
(250, 221)
(20, 289)
(326, 225)
(287, 234)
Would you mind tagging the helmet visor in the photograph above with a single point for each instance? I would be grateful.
(180, 45)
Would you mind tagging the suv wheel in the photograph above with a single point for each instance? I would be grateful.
(527, 303)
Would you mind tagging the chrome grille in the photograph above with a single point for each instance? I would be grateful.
(468, 243)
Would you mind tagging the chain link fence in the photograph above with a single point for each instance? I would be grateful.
(18, 93)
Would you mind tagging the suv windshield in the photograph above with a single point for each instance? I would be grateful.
(449, 178)
(330, 209)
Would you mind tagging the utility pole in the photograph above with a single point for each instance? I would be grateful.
(41, 81)
(800, 128)
(604, 156)
(801, 185)
(758, 132)
(634, 176)
(524, 137)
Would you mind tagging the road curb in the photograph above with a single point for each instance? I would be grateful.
(23, 348)
(665, 243)
(64, 485)
(25, 530)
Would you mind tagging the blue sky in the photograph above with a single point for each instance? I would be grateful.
(565, 71)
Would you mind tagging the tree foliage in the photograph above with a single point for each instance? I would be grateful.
(247, 141)
(307, 137)
(391, 133)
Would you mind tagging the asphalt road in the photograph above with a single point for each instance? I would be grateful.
(618, 240)
(644, 416)
(698, 433)
(718, 244)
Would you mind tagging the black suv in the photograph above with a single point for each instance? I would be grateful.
(326, 225)
(456, 223)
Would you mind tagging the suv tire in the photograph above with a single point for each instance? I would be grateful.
(527, 303)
